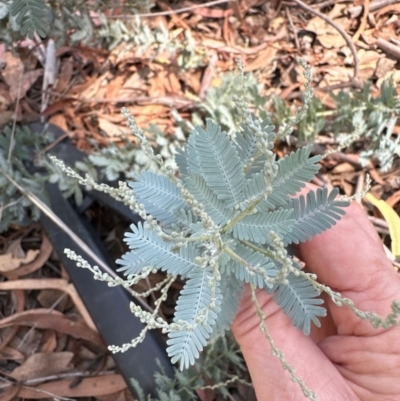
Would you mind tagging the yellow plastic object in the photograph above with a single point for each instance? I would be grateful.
(391, 218)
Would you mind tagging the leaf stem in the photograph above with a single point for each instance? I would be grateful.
(277, 352)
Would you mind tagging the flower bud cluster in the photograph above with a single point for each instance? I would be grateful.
(144, 143)
(280, 254)
(98, 274)
(287, 128)
(151, 320)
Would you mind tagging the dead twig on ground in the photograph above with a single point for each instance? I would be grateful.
(171, 12)
(169, 101)
(328, 3)
(14, 123)
(349, 42)
(363, 22)
(375, 5)
(60, 376)
(388, 47)
(296, 38)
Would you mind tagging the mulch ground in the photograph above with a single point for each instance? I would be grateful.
(48, 343)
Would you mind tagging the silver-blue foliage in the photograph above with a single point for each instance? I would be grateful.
(221, 222)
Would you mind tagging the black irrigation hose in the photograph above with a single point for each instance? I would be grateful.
(108, 306)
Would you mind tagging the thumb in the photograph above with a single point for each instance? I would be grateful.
(270, 381)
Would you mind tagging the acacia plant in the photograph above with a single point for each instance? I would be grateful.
(226, 219)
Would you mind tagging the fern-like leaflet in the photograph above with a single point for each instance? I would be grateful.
(32, 16)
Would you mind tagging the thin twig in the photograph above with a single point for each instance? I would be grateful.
(346, 37)
(296, 38)
(375, 5)
(78, 241)
(328, 3)
(24, 338)
(277, 352)
(169, 101)
(360, 185)
(60, 376)
(52, 395)
(14, 124)
(54, 143)
(171, 12)
(388, 47)
(378, 222)
(363, 23)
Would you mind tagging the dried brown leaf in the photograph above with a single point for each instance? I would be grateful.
(263, 60)
(118, 396)
(19, 88)
(42, 365)
(10, 393)
(55, 107)
(60, 121)
(393, 199)
(13, 68)
(50, 283)
(6, 117)
(9, 263)
(110, 129)
(87, 387)
(65, 74)
(45, 251)
(53, 299)
(114, 86)
(19, 306)
(384, 66)
(49, 341)
(15, 249)
(12, 354)
(327, 35)
(45, 319)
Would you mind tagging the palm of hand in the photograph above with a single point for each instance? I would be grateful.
(346, 359)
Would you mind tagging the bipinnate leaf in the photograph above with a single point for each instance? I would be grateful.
(226, 222)
(231, 290)
(216, 208)
(220, 163)
(160, 196)
(32, 16)
(294, 171)
(192, 161)
(130, 264)
(251, 258)
(249, 153)
(158, 190)
(181, 162)
(154, 251)
(257, 227)
(314, 216)
(194, 307)
(298, 299)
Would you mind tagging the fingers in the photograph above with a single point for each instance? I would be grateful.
(270, 381)
(350, 259)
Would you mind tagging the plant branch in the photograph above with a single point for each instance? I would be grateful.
(172, 12)
(277, 352)
(339, 300)
(363, 23)
(375, 5)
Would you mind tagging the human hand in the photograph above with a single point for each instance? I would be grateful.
(346, 359)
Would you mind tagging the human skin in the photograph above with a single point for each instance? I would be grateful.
(346, 359)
